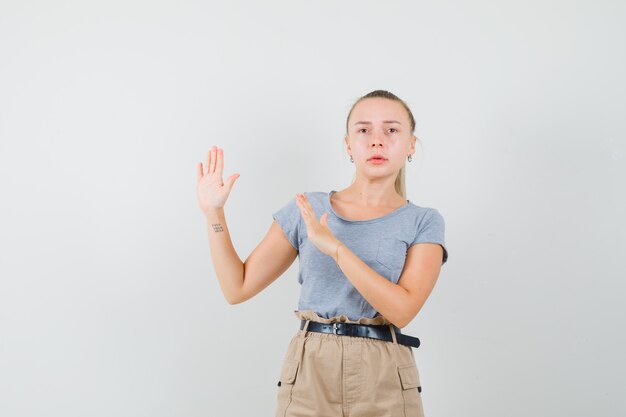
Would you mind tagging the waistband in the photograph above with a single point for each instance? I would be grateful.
(313, 316)
(380, 332)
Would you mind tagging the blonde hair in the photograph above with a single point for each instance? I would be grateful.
(400, 184)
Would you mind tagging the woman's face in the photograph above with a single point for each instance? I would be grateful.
(379, 126)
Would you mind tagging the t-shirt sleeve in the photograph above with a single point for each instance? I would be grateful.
(431, 229)
(288, 217)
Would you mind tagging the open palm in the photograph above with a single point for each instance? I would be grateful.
(212, 190)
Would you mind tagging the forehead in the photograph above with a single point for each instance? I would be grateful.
(376, 109)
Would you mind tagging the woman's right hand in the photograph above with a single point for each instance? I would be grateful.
(212, 191)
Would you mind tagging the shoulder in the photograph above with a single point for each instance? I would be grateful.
(421, 214)
(316, 197)
(315, 194)
(431, 218)
(424, 212)
(427, 220)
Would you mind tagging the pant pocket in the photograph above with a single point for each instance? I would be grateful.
(288, 375)
(411, 390)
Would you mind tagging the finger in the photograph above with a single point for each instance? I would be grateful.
(230, 181)
(200, 175)
(208, 162)
(303, 210)
(220, 161)
(308, 206)
(213, 159)
(309, 213)
(324, 219)
(326, 215)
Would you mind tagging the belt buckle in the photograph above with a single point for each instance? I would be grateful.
(335, 328)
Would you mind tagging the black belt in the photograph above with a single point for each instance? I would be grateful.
(381, 332)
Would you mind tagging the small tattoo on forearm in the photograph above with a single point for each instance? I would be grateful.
(217, 227)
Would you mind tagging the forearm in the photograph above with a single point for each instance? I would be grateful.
(228, 266)
(389, 299)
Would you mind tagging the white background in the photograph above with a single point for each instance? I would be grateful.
(109, 304)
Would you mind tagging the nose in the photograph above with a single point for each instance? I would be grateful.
(377, 138)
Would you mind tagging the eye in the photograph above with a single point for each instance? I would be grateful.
(359, 131)
(393, 128)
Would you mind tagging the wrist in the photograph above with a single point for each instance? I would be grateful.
(213, 213)
(336, 257)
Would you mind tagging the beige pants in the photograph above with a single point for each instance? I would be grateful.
(328, 375)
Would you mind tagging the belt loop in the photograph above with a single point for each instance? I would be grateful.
(304, 329)
(393, 334)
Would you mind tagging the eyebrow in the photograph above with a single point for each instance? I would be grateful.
(369, 123)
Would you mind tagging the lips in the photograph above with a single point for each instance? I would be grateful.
(377, 157)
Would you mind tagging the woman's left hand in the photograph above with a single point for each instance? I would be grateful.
(318, 231)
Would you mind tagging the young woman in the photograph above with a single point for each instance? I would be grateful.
(369, 259)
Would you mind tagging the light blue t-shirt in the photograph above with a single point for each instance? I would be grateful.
(381, 243)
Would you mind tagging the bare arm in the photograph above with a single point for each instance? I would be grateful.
(268, 261)
(228, 267)
(241, 281)
(399, 302)
(238, 280)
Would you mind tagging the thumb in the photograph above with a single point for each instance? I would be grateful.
(230, 181)
(324, 219)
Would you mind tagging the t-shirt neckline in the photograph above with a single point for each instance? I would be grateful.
(375, 219)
